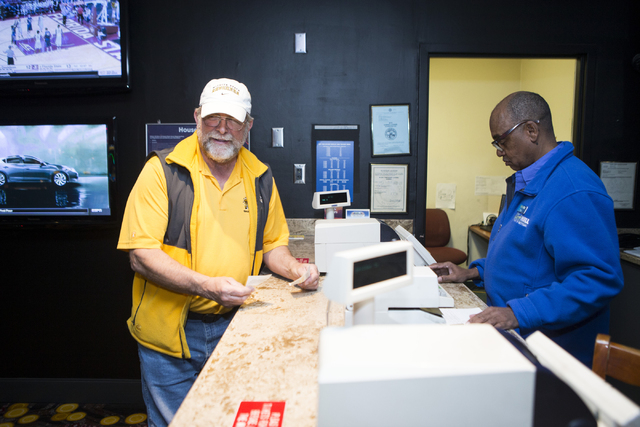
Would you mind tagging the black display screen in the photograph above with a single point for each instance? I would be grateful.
(379, 269)
(332, 198)
(54, 173)
(64, 46)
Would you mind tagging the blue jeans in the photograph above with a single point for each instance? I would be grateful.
(166, 380)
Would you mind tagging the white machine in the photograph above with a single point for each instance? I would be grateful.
(397, 375)
(358, 275)
(394, 305)
(421, 255)
(404, 305)
(336, 235)
(383, 375)
(414, 375)
(329, 200)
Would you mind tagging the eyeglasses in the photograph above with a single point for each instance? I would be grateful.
(496, 143)
(230, 123)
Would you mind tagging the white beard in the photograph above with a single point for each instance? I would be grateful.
(215, 151)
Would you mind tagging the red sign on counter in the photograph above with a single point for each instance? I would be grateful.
(259, 414)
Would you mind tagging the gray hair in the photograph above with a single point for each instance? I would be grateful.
(529, 106)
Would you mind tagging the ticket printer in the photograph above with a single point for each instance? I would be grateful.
(335, 235)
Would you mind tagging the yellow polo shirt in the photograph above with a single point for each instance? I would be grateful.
(221, 245)
(223, 213)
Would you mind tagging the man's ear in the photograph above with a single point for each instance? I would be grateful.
(532, 130)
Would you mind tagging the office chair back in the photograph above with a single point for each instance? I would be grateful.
(616, 361)
(437, 235)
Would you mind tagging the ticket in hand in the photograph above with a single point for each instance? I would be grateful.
(302, 278)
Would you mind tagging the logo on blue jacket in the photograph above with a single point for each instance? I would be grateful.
(521, 219)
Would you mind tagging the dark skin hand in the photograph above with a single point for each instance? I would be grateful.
(500, 317)
(449, 272)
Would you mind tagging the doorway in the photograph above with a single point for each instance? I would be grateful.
(462, 92)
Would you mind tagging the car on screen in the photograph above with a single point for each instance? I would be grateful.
(29, 169)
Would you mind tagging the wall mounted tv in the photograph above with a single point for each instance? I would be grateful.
(57, 173)
(63, 45)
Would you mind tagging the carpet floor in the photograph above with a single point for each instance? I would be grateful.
(70, 414)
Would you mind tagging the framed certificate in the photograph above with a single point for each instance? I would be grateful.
(390, 125)
(619, 178)
(389, 188)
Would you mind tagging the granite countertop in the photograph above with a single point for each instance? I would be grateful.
(270, 350)
(268, 354)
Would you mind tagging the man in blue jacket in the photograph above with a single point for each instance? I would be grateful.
(553, 262)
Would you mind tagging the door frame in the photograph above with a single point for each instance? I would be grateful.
(583, 107)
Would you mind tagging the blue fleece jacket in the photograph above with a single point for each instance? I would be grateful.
(554, 257)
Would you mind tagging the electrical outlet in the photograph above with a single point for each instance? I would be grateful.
(298, 173)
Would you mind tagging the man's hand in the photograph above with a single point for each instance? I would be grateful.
(311, 283)
(449, 272)
(226, 291)
(163, 270)
(280, 261)
(500, 317)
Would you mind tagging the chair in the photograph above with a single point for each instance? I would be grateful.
(616, 361)
(437, 235)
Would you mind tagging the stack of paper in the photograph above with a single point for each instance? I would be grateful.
(635, 251)
(458, 316)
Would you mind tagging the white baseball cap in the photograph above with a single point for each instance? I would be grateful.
(226, 96)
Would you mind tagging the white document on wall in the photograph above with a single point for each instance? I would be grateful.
(490, 186)
(619, 179)
(445, 196)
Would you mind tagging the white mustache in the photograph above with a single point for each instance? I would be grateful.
(220, 137)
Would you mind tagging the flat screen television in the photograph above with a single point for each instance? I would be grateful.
(63, 46)
(57, 173)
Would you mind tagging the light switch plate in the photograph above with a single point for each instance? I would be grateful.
(277, 137)
(298, 173)
(301, 43)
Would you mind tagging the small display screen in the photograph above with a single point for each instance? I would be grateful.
(379, 269)
(332, 198)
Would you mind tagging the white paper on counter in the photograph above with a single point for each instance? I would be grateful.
(458, 316)
(254, 281)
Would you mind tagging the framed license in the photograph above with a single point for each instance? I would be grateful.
(390, 125)
(389, 188)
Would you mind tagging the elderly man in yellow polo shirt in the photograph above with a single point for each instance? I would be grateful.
(201, 218)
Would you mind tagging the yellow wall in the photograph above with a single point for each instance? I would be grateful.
(462, 94)
(554, 79)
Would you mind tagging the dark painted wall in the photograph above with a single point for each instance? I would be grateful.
(66, 293)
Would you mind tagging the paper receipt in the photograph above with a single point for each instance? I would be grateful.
(302, 278)
(254, 281)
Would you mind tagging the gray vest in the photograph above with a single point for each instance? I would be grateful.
(180, 194)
